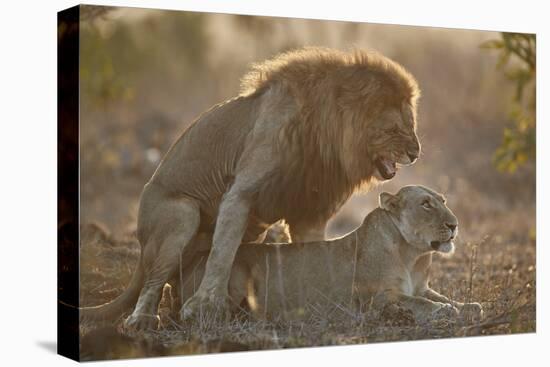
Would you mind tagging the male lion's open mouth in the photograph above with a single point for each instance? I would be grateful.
(386, 167)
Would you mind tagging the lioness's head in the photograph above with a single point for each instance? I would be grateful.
(422, 218)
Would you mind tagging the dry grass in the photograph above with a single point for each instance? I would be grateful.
(498, 271)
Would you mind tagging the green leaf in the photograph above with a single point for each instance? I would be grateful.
(492, 44)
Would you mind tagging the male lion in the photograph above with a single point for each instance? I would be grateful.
(385, 261)
(309, 128)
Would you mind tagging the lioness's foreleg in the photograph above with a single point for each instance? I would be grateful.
(437, 297)
(175, 234)
(471, 310)
(422, 270)
(422, 308)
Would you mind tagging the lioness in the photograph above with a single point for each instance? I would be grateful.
(309, 128)
(386, 260)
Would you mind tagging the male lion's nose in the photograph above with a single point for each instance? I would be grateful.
(451, 226)
(413, 156)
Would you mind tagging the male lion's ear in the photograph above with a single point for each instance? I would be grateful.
(388, 201)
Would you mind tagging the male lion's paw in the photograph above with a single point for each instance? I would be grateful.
(471, 312)
(207, 307)
(139, 322)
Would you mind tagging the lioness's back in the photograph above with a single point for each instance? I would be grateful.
(284, 279)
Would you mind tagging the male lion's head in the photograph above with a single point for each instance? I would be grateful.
(378, 98)
(355, 118)
(422, 218)
(393, 140)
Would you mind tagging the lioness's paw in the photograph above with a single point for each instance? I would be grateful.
(141, 322)
(472, 312)
(446, 310)
(210, 306)
(437, 311)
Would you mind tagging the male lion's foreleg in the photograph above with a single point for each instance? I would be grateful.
(165, 263)
(256, 163)
(231, 224)
(212, 295)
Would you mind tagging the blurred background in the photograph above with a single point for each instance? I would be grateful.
(147, 74)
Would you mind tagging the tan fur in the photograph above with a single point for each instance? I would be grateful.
(386, 260)
(310, 127)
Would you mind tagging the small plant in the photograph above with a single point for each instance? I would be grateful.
(518, 60)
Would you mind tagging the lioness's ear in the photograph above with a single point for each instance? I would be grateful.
(388, 201)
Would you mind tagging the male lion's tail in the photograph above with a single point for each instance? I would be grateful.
(112, 310)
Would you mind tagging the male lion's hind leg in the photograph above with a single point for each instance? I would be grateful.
(162, 264)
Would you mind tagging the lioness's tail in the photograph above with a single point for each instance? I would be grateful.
(114, 309)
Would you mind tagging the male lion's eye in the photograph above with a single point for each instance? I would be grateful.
(426, 205)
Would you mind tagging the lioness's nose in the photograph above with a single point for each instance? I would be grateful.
(451, 226)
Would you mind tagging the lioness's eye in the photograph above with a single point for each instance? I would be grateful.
(426, 204)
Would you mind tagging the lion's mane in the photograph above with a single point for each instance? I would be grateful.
(337, 93)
